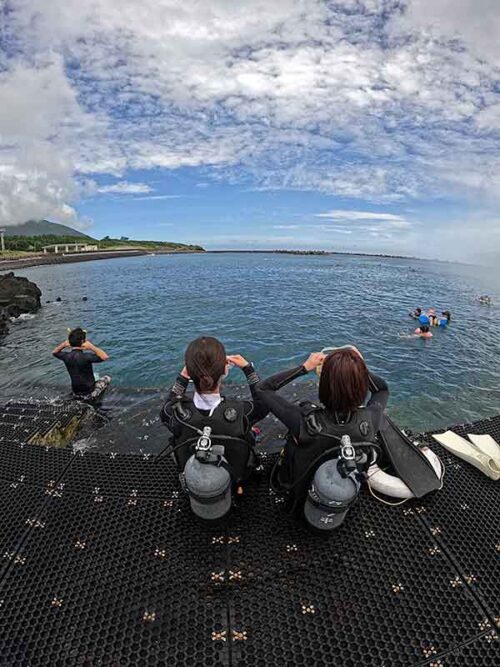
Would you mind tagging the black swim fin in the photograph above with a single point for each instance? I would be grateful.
(408, 461)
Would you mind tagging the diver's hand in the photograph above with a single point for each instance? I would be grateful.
(314, 360)
(237, 360)
(185, 373)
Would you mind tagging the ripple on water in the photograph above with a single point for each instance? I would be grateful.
(273, 309)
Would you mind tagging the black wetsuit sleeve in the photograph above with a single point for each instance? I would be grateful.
(177, 391)
(257, 408)
(288, 413)
(378, 399)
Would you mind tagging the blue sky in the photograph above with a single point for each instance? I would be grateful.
(364, 125)
(181, 207)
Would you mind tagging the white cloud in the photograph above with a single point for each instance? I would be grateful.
(40, 122)
(384, 101)
(125, 188)
(341, 214)
(158, 197)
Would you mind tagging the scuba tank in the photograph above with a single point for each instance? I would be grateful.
(207, 480)
(334, 489)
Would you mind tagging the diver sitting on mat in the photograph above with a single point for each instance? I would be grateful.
(212, 439)
(78, 355)
(316, 433)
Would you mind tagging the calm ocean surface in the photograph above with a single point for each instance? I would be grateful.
(274, 309)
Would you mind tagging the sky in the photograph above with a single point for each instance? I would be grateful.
(354, 125)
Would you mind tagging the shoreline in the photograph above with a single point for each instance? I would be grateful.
(71, 258)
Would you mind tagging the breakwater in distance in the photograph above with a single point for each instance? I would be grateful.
(274, 309)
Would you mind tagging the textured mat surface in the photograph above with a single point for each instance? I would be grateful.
(102, 563)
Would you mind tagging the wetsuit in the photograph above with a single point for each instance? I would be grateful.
(233, 418)
(304, 445)
(78, 363)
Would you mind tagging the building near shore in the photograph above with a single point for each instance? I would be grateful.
(58, 248)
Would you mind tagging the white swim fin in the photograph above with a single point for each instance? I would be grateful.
(468, 452)
(487, 445)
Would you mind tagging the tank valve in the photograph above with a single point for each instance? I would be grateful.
(348, 456)
(204, 444)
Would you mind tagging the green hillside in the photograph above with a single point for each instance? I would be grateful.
(44, 228)
(31, 236)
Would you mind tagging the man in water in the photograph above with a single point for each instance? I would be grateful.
(78, 355)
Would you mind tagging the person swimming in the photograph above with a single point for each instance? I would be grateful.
(423, 331)
(416, 313)
(445, 319)
(485, 300)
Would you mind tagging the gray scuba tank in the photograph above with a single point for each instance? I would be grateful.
(207, 483)
(333, 490)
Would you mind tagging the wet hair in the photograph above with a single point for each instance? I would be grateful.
(447, 314)
(424, 328)
(418, 310)
(205, 359)
(344, 381)
(77, 337)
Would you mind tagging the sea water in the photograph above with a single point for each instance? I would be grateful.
(274, 309)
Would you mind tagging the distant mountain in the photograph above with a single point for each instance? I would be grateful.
(43, 228)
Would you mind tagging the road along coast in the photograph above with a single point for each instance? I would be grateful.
(42, 260)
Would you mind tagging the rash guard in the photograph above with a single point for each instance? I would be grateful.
(79, 366)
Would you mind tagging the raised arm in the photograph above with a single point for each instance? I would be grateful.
(96, 350)
(176, 392)
(56, 351)
(257, 408)
(287, 412)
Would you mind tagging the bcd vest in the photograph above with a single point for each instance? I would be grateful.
(318, 435)
(228, 421)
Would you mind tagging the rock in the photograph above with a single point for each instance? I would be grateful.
(85, 298)
(4, 322)
(17, 296)
(58, 299)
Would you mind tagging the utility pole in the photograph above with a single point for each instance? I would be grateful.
(2, 240)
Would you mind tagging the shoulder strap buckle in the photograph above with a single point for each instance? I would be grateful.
(313, 425)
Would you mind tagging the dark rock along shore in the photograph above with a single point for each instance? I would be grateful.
(17, 296)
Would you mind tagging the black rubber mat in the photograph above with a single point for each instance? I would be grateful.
(113, 581)
(122, 476)
(104, 564)
(32, 464)
(465, 518)
(378, 592)
(22, 421)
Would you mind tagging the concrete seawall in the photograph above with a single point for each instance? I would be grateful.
(42, 260)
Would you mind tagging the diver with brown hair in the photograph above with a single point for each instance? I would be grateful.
(331, 444)
(212, 441)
